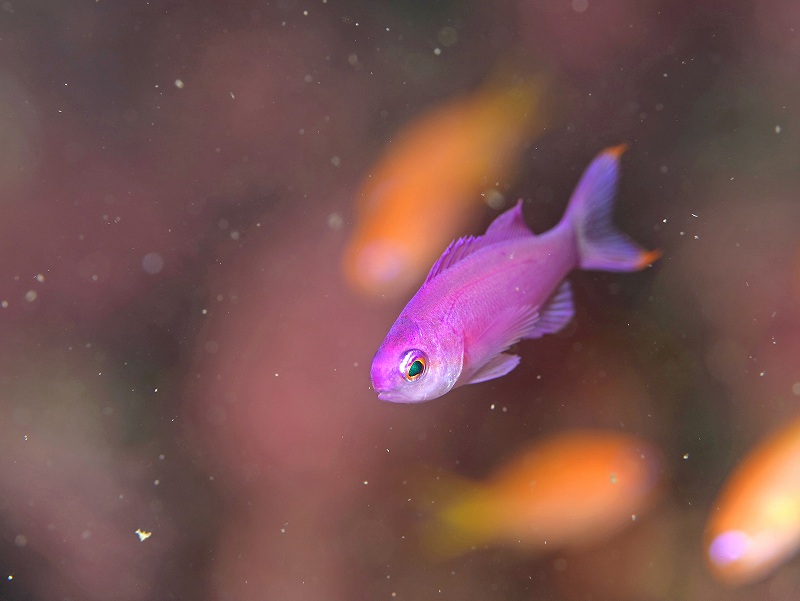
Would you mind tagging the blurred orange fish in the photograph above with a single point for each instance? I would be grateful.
(568, 490)
(755, 522)
(426, 189)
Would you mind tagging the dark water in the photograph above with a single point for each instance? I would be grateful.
(180, 354)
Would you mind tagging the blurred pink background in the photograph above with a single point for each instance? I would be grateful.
(179, 352)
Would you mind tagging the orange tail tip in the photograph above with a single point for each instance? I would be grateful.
(649, 257)
(600, 244)
(617, 151)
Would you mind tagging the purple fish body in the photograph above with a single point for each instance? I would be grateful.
(488, 292)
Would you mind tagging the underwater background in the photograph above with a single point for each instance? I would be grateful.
(186, 335)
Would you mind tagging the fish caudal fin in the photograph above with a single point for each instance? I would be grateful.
(601, 245)
(460, 524)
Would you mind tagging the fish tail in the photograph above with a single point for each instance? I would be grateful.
(458, 513)
(601, 245)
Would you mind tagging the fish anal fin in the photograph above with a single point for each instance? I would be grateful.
(556, 313)
(497, 366)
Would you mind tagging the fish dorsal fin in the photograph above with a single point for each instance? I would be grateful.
(507, 226)
(457, 250)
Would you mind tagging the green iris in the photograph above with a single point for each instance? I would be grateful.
(413, 365)
(416, 369)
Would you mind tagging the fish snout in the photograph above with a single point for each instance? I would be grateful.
(384, 383)
(381, 380)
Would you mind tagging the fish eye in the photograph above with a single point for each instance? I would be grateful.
(413, 364)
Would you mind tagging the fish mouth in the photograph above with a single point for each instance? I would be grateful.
(392, 396)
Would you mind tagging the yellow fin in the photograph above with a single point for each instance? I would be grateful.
(457, 515)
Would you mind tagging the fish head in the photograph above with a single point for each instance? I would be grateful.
(418, 361)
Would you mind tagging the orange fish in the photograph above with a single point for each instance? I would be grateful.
(755, 523)
(568, 490)
(426, 189)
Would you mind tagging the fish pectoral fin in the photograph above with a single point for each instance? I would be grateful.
(509, 327)
(516, 323)
(495, 367)
(526, 321)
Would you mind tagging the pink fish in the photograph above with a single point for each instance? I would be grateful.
(488, 292)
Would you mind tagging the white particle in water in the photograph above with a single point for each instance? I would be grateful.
(494, 199)
(580, 6)
(152, 263)
(179, 84)
(335, 221)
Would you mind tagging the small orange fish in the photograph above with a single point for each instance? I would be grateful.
(755, 522)
(426, 189)
(568, 490)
